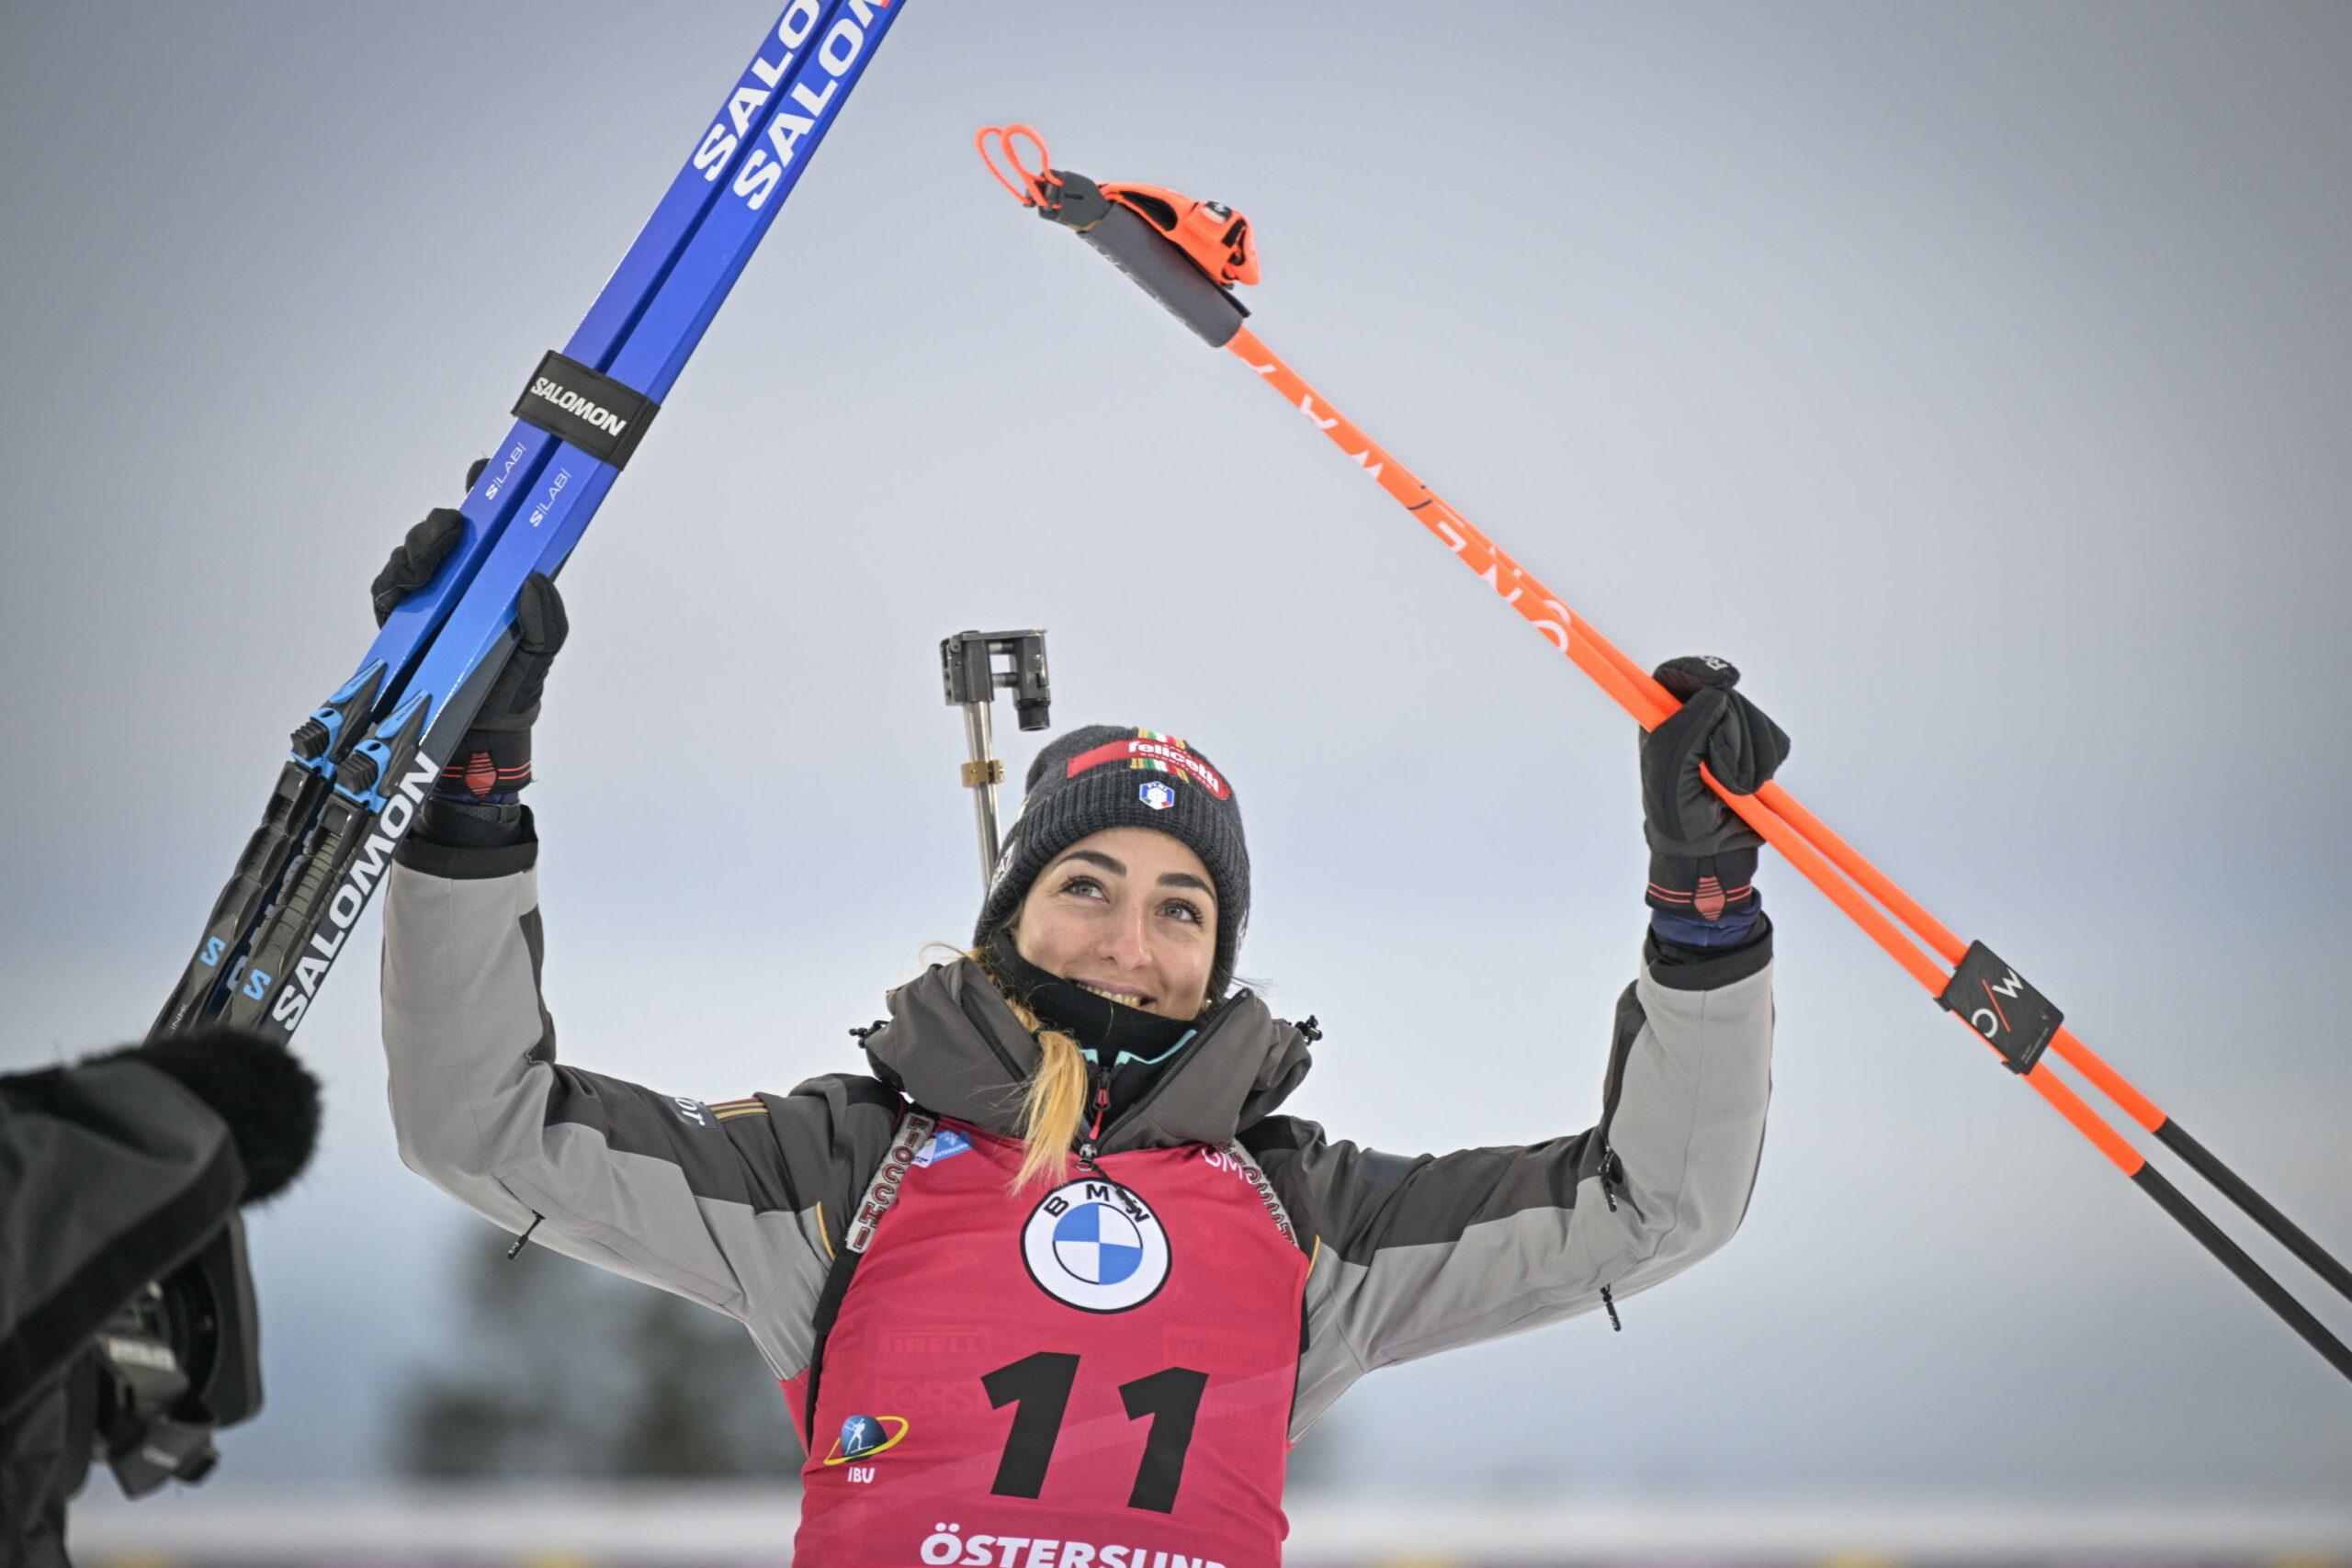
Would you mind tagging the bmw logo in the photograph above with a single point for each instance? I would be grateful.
(1096, 1247)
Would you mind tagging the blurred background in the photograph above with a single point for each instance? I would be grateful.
(1977, 378)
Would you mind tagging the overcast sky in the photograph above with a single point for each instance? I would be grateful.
(1978, 378)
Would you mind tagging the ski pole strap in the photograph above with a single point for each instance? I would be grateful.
(573, 402)
(1000, 148)
(2014, 1018)
(1190, 286)
(1156, 262)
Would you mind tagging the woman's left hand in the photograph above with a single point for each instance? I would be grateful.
(1702, 857)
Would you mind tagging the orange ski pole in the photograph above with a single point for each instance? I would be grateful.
(2068, 1047)
(1162, 243)
(1767, 812)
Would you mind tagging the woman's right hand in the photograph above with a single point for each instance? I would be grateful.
(494, 761)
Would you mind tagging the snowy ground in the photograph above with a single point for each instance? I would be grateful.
(609, 1528)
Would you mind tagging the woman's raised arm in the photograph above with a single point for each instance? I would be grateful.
(737, 1205)
(1421, 1254)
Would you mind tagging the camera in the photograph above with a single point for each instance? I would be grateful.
(177, 1363)
(129, 1328)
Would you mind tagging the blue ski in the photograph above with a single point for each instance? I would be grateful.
(420, 683)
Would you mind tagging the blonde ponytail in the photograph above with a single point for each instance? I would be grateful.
(1055, 1103)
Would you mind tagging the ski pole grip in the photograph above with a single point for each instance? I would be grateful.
(1167, 273)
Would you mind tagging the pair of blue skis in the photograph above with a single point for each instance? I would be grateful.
(361, 766)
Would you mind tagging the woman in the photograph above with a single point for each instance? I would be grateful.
(1052, 1285)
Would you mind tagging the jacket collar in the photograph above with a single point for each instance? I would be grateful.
(953, 1046)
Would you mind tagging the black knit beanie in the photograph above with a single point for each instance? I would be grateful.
(1107, 776)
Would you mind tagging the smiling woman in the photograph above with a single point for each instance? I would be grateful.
(1144, 939)
(1054, 1268)
(1103, 923)
(1123, 958)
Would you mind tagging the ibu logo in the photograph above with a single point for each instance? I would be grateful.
(863, 1437)
(1095, 1245)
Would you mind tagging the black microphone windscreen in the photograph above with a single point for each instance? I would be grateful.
(268, 1096)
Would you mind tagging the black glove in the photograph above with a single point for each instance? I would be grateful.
(415, 558)
(1703, 857)
(494, 761)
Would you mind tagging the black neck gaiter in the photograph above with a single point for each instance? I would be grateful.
(1111, 1033)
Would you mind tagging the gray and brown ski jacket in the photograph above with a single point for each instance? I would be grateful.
(748, 1205)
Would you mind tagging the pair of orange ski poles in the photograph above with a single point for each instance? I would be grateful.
(1188, 254)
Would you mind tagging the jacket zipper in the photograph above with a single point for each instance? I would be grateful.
(523, 1240)
(1613, 1176)
(1613, 1168)
(1094, 1131)
(1086, 1150)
